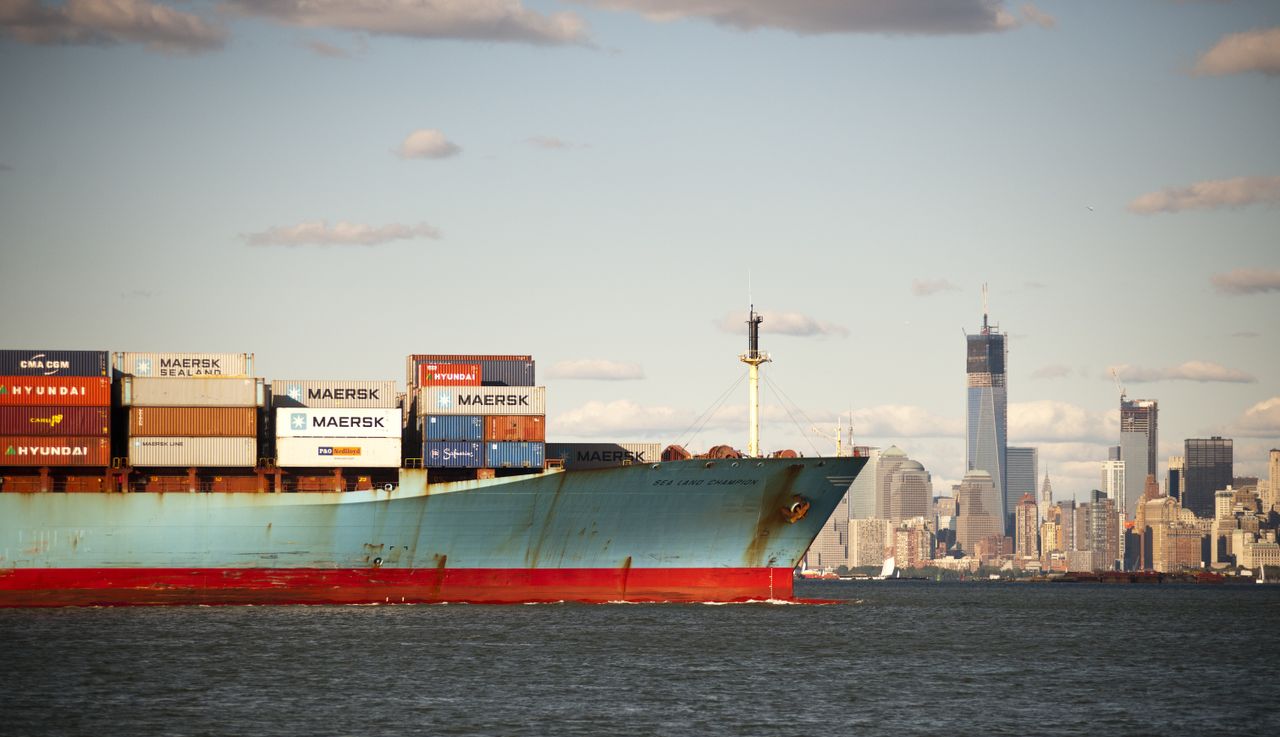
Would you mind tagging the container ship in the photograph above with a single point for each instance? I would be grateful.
(181, 478)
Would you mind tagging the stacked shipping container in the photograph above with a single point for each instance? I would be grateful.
(191, 410)
(55, 408)
(332, 424)
(478, 411)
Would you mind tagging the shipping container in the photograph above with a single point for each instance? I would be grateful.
(452, 455)
(511, 428)
(325, 393)
(514, 455)
(309, 422)
(182, 365)
(482, 400)
(53, 363)
(240, 422)
(452, 427)
(413, 359)
(185, 452)
(492, 373)
(603, 455)
(449, 374)
(63, 420)
(209, 391)
(27, 450)
(48, 391)
(338, 452)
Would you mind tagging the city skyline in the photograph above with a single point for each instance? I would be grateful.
(607, 187)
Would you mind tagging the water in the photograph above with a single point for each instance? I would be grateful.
(899, 658)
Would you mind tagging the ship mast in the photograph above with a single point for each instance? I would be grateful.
(753, 358)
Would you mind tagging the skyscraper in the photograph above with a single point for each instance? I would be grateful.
(890, 460)
(1046, 497)
(1208, 466)
(1138, 440)
(1026, 527)
(1174, 488)
(910, 492)
(987, 416)
(1022, 474)
(1273, 478)
(864, 493)
(1114, 480)
(980, 511)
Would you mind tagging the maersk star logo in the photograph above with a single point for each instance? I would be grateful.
(445, 401)
(298, 421)
(295, 393)
(142, 367)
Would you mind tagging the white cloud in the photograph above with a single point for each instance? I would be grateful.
(320, 48)
(783, 323)
(469, 20)
(427, 143)
(1236, 53)
(1210, 195)
(1202, 371)
(927, 287)
(600, 369)
(319, 233)
(1247, 281)
(621, 420)
(550, 143)
(830, 16)
(1262, 420)
(1049, 420)
(1056, 371)
(903, 421)
(1038, 16)
(108, 22)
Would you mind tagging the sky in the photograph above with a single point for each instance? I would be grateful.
(607, 185)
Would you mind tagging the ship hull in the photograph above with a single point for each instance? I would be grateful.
(726, 530)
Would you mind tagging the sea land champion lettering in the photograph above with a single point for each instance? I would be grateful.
(343, 422)
(492, 400)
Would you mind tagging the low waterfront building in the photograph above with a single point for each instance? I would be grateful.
(867, 541)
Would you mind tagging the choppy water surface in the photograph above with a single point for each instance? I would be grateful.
(898, 658)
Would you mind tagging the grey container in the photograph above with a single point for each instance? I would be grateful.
(603, 455)
(326, 393)
(211, 391)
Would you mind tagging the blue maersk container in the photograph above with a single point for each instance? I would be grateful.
(452, 427)
(452, 455)
(54, 363)
(514, 455)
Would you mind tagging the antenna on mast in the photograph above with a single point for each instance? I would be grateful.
(986, 330)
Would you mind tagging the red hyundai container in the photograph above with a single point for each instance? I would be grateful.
(48, 391)
(515, 428)
(27, 450)
(449, 374)
(50, 421)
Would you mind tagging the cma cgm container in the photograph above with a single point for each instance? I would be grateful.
(482, 400)
(240, 422)
(452, 455)
(211, 391)
(512, 428)
(192, 451)
(514, 455)
(603, 455)
(179, 365)
(338, 452)
(47, 421)
(309, 422)
(45, 391)
(59, 451)
(449, 374)
(53, 363)
(324, 393)
(452, 427)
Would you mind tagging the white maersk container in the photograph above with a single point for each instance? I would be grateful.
(310, 422)
(177, 365)
(338, 452)
(187, 452)
(323, 393)
(210, 391)
(482, 400)
(603, 455)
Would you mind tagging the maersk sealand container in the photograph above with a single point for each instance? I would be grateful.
(53, 363)
(181, 365)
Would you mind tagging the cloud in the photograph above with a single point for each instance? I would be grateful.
(467, 20)
(427, 143)
(1038, 16)
(320, 48)
(1055, 371)
(1202, 371)
(108, 22)
(1237, 53)
(598, 369)
(783, 323)
(1049, 420)
(621, 419)
(318, 233)
(1245, 334)
(1247, 281)
(549, 142)
(1262, 420)
(903, 421)
(806, 17)
(927, 287)
(1210, 195)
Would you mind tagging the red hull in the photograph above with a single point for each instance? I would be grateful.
(29, 587)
